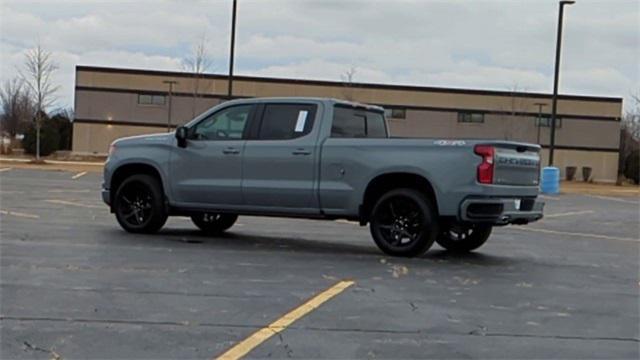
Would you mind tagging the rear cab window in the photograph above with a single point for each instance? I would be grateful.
(350, 122)
(286, 121)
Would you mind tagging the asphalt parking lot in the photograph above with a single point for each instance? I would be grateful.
(74, 285)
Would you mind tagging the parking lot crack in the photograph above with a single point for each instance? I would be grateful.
(558, 337)
(287, 348)
(29, 346)
(413, 306)
(125, 322)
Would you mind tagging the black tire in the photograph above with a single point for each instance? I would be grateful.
(139, 204)
(212, 223)
(403, 223)
(462, 239)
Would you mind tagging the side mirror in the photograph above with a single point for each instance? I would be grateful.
(181, 136)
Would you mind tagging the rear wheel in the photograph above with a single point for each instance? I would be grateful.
(139, 204)
(213, 223)
(464, 238)
(403, 223)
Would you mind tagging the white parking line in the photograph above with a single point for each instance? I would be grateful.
(570, 213)
(546, 197)
(614, 199)
(64, 202)
(57, 162)
(597, 236)
(68, 191)
(5, 169)
(19, 214)
(78, 175)
(343, 221)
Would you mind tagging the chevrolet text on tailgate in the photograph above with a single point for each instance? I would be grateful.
(324, 159)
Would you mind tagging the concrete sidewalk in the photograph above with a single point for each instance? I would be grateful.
(56, 165)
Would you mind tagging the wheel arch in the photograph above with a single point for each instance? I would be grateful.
(126, 170)
(385, 182)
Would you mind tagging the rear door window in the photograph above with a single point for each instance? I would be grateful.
(286, 121)
(358, 123)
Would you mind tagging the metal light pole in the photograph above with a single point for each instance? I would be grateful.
(171, 83)
(540, 106)
(554, 104)
(232, 50)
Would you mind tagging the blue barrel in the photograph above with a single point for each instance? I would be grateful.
(550, 182)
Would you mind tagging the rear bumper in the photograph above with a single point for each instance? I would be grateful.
(501, 211)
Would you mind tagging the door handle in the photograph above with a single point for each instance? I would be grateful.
(301, 152)
(231, 151)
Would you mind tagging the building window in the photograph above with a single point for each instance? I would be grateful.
(545, 121)
(148, 99)
(396, 113)
(470, 117)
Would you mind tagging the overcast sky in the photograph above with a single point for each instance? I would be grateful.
(480, 44)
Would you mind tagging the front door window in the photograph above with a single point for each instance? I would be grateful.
(226, 124)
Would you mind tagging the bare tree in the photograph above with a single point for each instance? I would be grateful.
(198, 62)
(347, 80)
(631, 118)
(513, 128)
(629, 136)
(17, 108)
(37, 75)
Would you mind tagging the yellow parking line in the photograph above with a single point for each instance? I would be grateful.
(64, 202)
(19, 214)
(244, 347)
(5, 169)
(80, 174)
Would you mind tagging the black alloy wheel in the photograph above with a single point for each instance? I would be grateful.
(464, 238)
(214, 223)
(403, 223)
(138, 204)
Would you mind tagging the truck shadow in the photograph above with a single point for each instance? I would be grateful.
(238, 241)
(279, 244)
(474, 258)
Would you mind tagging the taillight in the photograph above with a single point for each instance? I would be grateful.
(112, 148)
(485, 169)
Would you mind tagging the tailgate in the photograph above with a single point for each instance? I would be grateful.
(516, 165)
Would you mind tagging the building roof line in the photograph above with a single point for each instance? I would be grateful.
(352, 85)
(162, 127)
(378, 104)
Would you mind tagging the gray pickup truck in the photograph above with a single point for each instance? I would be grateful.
(323, 159)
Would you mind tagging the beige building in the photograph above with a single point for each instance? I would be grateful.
(112, 103)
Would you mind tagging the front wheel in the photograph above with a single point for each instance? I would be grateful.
(212, 223)
(139, 204)
(464, 238)
(403, 223)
